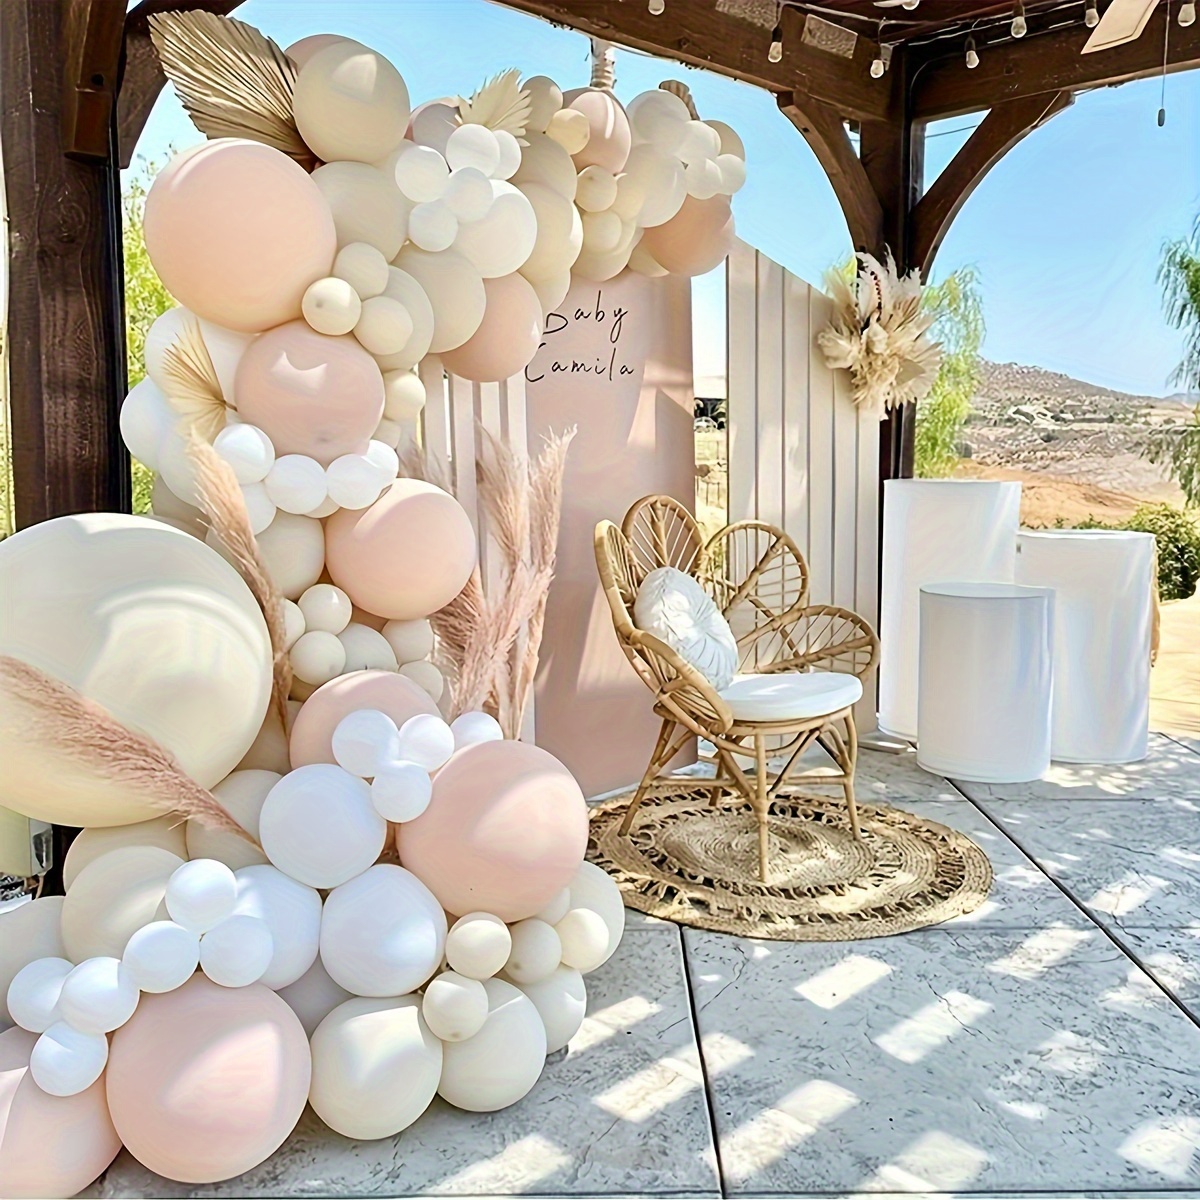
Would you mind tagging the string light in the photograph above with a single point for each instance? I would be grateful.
(1187, 14)
(972, 55)
(657, 7)
(775, 54)
(881, 62)
(1019, 28)
(909, 5)
(1091, 18)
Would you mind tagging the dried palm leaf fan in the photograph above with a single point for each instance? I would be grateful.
(193, 389)
(500, 104)
(233, 81)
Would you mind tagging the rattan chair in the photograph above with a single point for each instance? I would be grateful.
(759, 580)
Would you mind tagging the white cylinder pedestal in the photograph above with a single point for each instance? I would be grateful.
(933, 530)
(1103, 616)
(984, 694)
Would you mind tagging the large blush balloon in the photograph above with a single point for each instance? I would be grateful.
(506, 341)
(153, 626)
(206, 1082)
(504, 833)
(695, 240)
(455, 291)
(49, 1145)
(407, 555)
(27, 932)
(609, 135)
(237, 231)
(310, 394)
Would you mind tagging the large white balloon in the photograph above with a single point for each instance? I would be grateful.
(383, 933)
(454, 288)
(375, 1068)
(662, 182)
(366, 205)
(291, 911)
(561, 1001)
(501, 241)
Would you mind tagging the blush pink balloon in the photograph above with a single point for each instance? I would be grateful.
(506, 341)
(312, 731)
(609, 138)
(206, 1082)
(504, 833)
(695, 239)
(49, 1145)
(310, 393)
(407, 555)
(237, 231)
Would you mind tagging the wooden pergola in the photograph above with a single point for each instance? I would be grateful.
(78, 79)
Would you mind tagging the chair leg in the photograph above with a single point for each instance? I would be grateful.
(664, 735)
(762, 803)
(849, 769)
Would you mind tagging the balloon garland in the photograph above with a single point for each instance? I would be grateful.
(368, 904)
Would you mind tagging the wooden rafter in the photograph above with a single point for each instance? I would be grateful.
(997, 133)
(92, 36)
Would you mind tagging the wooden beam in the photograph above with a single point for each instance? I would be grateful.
(825, 131)
(696, 33)
(66, 337)
(1003, 127)
(1046, 63)
(93, 31)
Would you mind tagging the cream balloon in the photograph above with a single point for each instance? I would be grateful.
(609, 136)
(455, 1006)
(595, 890)
(242, 793)
(731, 142)
(411, 641)
(427, 677)
(536, 951)
(504, 238)
(301, 51)
(27, 932)
(478, 945)
(583, 935)
(89, 844)
(559, 233)
(432, 123)
(544, 161)
(363, 267)
(403, 396)
(454, 288)
(404, 289)
(365, 205)
(561, 1001)
(658, 117)
(366, 649)
(570, 129)
(237, 231)
(507, 338)
(662, 182)
(597, 189)
(147, 622)
(331, 306)
(545, 99)
(552, 292)
(146, 421)
(293, 550)
(313, 996)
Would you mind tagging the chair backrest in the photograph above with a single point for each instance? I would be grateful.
(662, 533)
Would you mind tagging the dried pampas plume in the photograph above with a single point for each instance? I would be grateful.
(222, 503)
(78, 729)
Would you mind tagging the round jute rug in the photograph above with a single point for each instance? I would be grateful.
(696, 865)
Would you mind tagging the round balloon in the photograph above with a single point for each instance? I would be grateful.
(366, 205)
(545, 162)
(247, 1067)
(242, 794)
(313, 996)
(505, 831)
(501, 241)
(506, 341)
(404, 289)
(375, 1065)
(454, 288)
(561, 1001)
(696, 239)
(237, 231)
(559, 233)
(609, 137)
(148, 623)
(49, 1145)
(89, 844)
(301, 51)
(291, 911)
(595, 890)
(293, 551)
(27, 932)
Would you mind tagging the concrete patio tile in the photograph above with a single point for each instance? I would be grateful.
(1172, 956)
(1170, 771)
(972, 1063)
(1132, 864)
(622, 1111)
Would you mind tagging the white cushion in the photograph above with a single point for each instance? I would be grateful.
(790, 697)
(673, 607)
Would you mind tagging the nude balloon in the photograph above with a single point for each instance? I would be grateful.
(49, 1145)
(504, 833)
(206, 1082)
(237, 231)
(609, 137)
(559, 233)
(455, 291)
(310, 394)
(407, 555)
(695, 240)
(167, 832)
(507, 339)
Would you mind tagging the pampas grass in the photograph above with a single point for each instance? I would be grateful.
(75, 728)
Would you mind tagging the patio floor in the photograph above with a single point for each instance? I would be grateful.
(1046, 1045)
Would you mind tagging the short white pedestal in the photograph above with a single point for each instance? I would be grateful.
(1103, 614)
(984, 693)
(933, 530)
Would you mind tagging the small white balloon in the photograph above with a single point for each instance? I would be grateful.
(237, 952)
(454, 1006)
(433, 225)
(403, 396)
(468, 195)
(410, 640)
(596, 890)
(421, 173)
(363, 267)
(331, 306)
(597, 189)
(98, 996)
(247, 450)
(536, 951)
(556, 909)
(201, 894)
(292, 913)
(733, 173)
(66, 1061)
(260, 508)
(510, 154)
(366, 649)
(474, 727)
(364, 741)
(473, 146)
(478, 945)
(401, 791)
(354, 481)
(427, 677)
(703, 178)
(296, 483)
(325, 607)
(584, 938)
(699, 142)
(162, 956)
(385, 325)
(384, 459)
(34, 992)
(317, 657)
(426, 740)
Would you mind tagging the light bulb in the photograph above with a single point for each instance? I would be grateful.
(972, 55)
(877, 68)
(1019, 28)
(1091, 18)
(909, 5)
(1187, 14)
(657, 7)
(775, 54)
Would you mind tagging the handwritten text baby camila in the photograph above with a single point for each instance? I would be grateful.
(592, 345)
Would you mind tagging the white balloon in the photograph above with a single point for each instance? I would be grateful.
(733, 173)
(375, 1067)
(556, 909)
(510, 154)
(201, 894)
(427, 677)
(536, 951)
(242, 793)
(318, 825)
(500, 242)
(364, 741)
(401, 791)
(260, 508)
(385, 325)
(703, 178)
(594, 889)
(502, 1062)
(363, 267)
(473, 146)
(146, 421)
(296, 483)
(325, 607)
(426, 740)
(317, 657)
(455, 292)
(237, 952)
(699, 142)
(98, 996)
(410, 640)
(366, 205)
(421, 173)
(247, 450)
(454, 1006)
(292, 913)
(583, 936)
(545, 99)
(662, 182)
(433, 225)
(405, 290)
(354, 481)
(313, 996)
(561, 1001)
(161, 956)
(478, 945)
(366, 649)
(66, 1061)
(658, 117)
(34, 992)
(597, 189)
(474, 727)
(382, 933)
(468, 195)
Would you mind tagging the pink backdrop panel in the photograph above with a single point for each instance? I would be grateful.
(615, 361)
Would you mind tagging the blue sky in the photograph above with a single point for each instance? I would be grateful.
(1065, 232)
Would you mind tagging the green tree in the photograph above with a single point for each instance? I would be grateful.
(943, 413)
